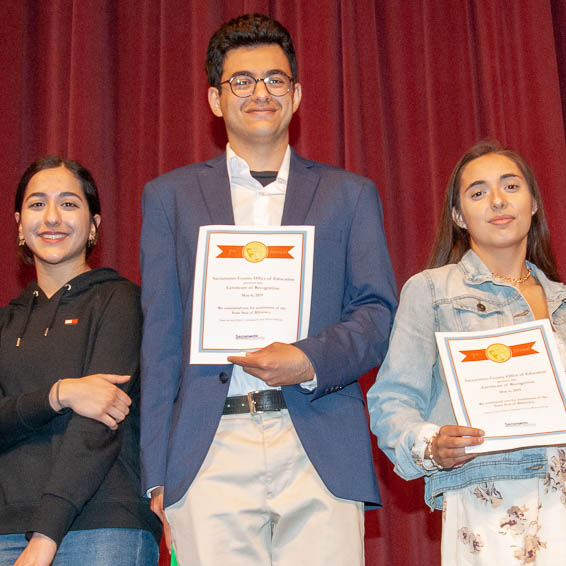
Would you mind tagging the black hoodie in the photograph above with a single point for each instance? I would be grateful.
(61, 472)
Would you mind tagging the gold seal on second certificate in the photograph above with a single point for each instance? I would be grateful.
(498, 353)
(254, 252)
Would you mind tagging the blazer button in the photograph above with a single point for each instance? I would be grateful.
(481, 307)
(223, 377)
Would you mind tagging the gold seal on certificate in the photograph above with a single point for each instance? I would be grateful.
(254, 252)
(499, 353)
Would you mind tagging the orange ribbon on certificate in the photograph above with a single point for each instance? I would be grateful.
(498, 353)
(255, 252)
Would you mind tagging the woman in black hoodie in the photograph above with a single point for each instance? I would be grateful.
(69, 361)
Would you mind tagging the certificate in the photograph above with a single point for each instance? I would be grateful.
(509, 382)
(252, 287)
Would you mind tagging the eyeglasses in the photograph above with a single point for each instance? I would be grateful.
(243, 85)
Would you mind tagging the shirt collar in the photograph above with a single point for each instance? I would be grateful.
(239, 170)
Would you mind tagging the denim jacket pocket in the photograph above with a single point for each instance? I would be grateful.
(476, 313)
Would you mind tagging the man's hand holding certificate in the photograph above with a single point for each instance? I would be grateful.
(509, 382)
(277, 364)
(252, 288)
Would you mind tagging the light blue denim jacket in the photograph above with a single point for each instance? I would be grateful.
(410, 392)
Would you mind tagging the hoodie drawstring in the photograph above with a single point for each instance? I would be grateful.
(22, 331)
(66, 289)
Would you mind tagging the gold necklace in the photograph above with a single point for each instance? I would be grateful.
(513, 280)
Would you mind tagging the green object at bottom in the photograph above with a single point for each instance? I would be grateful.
(173, 559)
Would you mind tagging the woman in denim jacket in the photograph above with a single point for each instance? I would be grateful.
(491, 267)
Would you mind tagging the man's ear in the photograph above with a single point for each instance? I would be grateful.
(297, 95)
(459, 219)
(214, 101)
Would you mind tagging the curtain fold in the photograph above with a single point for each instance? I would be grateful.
(396, 91)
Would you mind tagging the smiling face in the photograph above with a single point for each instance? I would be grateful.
(55, 220)
(496, 205)
(261, 118)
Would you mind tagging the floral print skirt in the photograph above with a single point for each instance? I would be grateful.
(508, 522)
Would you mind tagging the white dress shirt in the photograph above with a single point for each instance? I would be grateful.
(255, 205)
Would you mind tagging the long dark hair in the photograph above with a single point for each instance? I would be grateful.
(82, 174)
(452, 242)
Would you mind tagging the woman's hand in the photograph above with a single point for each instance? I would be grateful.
(94, 396)
(448, 446)
(40, 551)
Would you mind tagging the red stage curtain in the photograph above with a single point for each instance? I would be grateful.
(394, 90)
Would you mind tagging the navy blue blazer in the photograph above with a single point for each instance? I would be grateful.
(353, 302)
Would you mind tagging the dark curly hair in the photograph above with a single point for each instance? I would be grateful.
(249, 30)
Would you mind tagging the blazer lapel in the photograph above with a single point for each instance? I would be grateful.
(301, 187)
(302, 184)
(215, 188)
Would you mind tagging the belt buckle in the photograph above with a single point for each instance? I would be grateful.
(252, 403)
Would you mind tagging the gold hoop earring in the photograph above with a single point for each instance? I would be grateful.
(21, 241)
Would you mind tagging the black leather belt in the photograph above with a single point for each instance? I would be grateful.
(255, 402)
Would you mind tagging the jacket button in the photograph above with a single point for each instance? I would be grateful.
(223, 377)
(481, 307)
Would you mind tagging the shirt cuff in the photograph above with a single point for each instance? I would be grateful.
(310, 385)
(148, 492)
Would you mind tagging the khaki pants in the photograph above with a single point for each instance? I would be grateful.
(257, 500)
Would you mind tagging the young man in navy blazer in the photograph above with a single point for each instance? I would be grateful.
(286, 483)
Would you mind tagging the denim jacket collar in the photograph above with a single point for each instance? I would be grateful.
(475, 270)
(476, 273)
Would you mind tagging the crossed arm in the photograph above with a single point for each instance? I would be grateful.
(99, 402)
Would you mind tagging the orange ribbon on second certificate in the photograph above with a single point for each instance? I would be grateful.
(496, 352)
